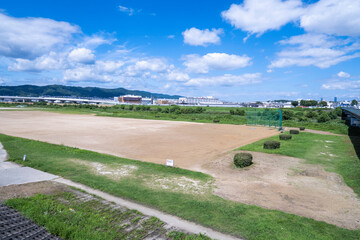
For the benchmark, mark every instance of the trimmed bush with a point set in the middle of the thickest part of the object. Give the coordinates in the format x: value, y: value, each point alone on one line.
x: 216, y: 120
x: 285, y: 136
x: 302, y: 128
x: 294, y: 131
x: 193, y: 119
x: 242, y: 160
x: 271, y: 144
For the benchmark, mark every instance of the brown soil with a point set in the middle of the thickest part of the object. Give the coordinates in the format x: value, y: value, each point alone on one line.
x: 287, y: 184
x: 274, y: 181
x: 30, y: 189
x: 146, y: 140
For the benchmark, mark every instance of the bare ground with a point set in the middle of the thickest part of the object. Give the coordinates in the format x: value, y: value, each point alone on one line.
x: 274, y: 181
x: 146, y: 140
x: 287, y: 184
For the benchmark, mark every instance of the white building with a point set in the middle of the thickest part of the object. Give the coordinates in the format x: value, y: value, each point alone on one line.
x: 200, y: 100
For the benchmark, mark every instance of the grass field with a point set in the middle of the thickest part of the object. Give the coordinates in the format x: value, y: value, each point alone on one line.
x: 249, y: 221
x: 296, y: 117
x: 72, y: 217
x: 344, y: 161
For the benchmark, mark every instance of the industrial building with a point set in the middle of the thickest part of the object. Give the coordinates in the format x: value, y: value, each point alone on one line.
x: 200, y: 100
x: 129, y: 99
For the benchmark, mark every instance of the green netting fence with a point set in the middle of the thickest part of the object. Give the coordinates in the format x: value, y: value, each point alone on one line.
x: 264, y: 117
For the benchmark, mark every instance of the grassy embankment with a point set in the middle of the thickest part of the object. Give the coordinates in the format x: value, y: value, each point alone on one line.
x: 66, y: 215
x: 296, y: 117
x: 335, y: 153
x: 249, y: 221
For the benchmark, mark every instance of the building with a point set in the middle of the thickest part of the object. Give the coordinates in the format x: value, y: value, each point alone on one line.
x: 130, y: 99
x: 146, y: 101
x: 168, y: 101
x: 199, y: 100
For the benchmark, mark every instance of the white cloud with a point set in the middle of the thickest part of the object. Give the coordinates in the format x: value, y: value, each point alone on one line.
x: 88, y: 73
x: 96, y: 40
x: 126, y: 10
x: 109, y: 66
x: 197, y: 37
x: 153, y: 65
x: 341, y: 85
x: 318, y: 50
x: 259, y: 16
x: 215, y: 61
x: 225, y: 80
x: 334, y: 17
x: 343, y: 74
x: 177, y: 76
x: 29, y: 38
x: 171, y: 36
x: 51, y: 61
x: 82, y: 55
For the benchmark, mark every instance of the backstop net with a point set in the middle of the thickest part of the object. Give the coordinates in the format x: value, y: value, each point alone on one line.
x: 264, y: 117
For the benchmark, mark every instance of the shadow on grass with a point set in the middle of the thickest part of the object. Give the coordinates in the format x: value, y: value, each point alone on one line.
x: 354, y: 135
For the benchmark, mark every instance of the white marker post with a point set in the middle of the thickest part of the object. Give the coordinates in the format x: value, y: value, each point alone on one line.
x: 24, y: 158
x: 169, y: 163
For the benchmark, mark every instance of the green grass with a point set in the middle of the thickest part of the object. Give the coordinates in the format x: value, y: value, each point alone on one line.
x: 65, y: 215
x: 249, y: 221
x: 335, y: 153
x: 334, y: 126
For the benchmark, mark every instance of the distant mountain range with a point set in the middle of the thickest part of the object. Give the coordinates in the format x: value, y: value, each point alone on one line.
x: 67, y: 91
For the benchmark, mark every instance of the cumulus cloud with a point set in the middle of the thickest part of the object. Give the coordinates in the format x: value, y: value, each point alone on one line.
x: 343, y: 74
x: 177, y: 75
x: 153, y: 64
x: 259, y: 16
x: 109, y: 66
x: 197, y: 37
x: 319, y: 50
x: 29, y: 38
x: 333, y: 17
x: 225, y: 80
x: 51, y: 61
x: 215, y: 61
x: 341, y: 85
x: 82, y: 55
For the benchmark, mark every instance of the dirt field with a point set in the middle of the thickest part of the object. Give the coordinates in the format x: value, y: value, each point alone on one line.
x: 287, y: 184
x: 274, y: 181
x: 188, y: 144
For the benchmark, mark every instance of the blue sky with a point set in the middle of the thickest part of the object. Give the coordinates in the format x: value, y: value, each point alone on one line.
x: 234, y: 50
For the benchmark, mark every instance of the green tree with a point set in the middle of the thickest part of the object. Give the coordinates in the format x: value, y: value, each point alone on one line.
x: 287, y: 115
x: 295, y: 103
x: 323, y: 104
x: 323, y: 117
x: 354, y: 102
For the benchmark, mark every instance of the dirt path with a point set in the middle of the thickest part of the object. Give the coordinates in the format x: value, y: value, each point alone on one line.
x: 288, y: 184
x: 313, y: 131
x: 188, y: 144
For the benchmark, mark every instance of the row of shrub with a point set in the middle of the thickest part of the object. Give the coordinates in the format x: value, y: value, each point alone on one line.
x: 242, y: 160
